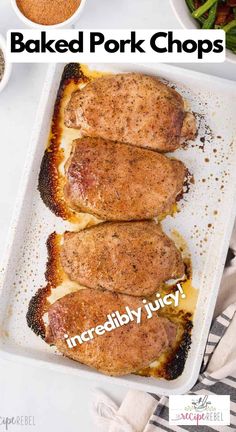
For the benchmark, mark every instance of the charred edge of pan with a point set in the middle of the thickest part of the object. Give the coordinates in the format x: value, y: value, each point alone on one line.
x: 53, y: 268
x: 39, y: 304
x: 188, y: 181
x: 50, y: 181
x: 71, y: 71
x: 37, y: 307
x: 180, y: 195
x: 175, y: 364
x: 188, y: 268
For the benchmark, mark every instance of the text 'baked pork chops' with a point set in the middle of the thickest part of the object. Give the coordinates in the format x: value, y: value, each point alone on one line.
x: 119, y: 182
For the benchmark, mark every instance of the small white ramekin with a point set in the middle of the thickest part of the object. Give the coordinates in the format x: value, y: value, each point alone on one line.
x: 184, y: 17
x: 67, y: 23
x: 8, y: 66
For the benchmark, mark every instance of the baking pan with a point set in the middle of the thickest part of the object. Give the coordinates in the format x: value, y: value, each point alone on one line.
x: 205, y: 222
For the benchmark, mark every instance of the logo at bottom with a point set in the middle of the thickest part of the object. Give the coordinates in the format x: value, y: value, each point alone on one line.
x: 199, y: 410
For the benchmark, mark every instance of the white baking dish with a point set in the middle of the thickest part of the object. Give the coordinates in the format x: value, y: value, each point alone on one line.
x: 25, y: 259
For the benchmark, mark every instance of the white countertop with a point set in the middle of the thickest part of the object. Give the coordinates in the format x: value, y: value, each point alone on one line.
x: 58, y: 401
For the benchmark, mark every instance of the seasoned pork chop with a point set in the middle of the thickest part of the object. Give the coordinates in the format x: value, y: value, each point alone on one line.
x: 123, y: 350
x: 126, y: 257
x: 120, y: 182
x: 131, y: 108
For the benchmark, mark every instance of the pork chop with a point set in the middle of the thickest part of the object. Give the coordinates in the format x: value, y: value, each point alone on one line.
x: 131, y: 108
x: 120, y: 182
x: 133, y: 258
x: 120, y: 351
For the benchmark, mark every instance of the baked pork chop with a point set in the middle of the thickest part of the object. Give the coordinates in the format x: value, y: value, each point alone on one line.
x: 131, y: 108
x: 133, y: 258
x: 120, y: 182
x: 123, y: 350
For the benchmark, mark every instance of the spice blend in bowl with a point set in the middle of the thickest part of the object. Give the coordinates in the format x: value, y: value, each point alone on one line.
x: 2, y: 65
x: 48, y: 12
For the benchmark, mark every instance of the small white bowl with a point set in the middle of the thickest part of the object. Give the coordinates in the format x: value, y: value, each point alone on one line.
x: 184, y: 17
x: 67, y: 23
x: 8, y: 66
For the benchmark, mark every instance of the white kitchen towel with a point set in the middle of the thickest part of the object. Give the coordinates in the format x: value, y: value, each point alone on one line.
x: 108, y: 417
x: 141, y: 412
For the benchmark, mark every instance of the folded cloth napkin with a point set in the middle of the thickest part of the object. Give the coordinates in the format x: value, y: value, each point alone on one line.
x: 143, y: 412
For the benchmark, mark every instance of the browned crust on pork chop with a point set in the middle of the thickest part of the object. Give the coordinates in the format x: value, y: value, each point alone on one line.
x: 130, y: 108
x: 118, y: 352
x: 119, y: 182
x: 133, y: 258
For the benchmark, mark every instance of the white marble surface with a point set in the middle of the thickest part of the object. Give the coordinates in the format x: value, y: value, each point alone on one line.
x: 58, y: 401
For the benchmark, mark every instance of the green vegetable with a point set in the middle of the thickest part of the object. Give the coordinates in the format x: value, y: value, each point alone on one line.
x: 190, y: 4
x: 231, y: 38
x: 231, y: 42
x: 231, y: 48
x: 209, y: 23
x: 192, y: 8
x: 204, y: 8
x: 229, y: 26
